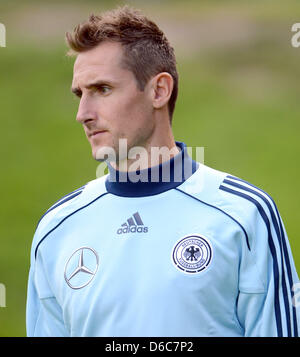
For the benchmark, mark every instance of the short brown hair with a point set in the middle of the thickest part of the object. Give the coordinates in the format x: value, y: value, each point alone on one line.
x: 146, y: 48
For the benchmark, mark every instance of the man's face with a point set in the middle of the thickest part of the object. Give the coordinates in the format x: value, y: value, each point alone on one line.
x: 111, y: 105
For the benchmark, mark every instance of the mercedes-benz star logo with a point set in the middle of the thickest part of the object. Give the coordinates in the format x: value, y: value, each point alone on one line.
x: 76, y: 270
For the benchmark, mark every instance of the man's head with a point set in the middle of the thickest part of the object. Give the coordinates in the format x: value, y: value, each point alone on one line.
x: 125, y: 73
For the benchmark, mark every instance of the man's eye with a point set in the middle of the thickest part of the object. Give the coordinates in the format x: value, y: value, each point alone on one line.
x: 103, y: 89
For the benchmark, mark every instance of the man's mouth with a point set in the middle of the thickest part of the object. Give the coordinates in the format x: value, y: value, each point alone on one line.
x: 96, y: 133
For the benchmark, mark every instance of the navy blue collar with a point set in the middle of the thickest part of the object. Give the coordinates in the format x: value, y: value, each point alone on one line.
x: 153, y: 180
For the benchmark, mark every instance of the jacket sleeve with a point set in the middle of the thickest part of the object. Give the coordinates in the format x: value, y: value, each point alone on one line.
x: 44, y: 316
x: 266, y: 305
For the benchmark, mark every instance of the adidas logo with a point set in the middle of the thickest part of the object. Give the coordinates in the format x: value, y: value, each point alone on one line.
x: 134, y: 224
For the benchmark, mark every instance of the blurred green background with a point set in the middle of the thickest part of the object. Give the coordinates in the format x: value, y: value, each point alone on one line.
x: 239, y: 98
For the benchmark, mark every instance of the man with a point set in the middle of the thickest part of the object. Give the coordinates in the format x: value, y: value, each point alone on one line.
x: 159, y: 246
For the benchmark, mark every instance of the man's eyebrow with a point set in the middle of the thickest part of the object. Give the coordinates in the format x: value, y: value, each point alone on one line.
x: 98, y: 83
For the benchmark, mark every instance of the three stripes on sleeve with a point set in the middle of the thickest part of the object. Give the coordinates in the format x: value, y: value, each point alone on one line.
x: 283, y: 270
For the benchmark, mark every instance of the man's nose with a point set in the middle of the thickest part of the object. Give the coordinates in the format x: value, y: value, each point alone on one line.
x: 85, y: 111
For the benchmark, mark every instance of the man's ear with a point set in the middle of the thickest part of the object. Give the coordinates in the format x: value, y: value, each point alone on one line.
x: 161, y: 89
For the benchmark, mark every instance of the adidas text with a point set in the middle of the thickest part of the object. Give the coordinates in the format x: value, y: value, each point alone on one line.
x: 132, y: 229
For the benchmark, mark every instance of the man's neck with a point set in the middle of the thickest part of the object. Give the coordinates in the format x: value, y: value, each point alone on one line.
x: 154, y: 179
x: 146, y: 156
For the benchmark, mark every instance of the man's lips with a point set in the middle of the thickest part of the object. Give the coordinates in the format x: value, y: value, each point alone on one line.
x: 95, y: 133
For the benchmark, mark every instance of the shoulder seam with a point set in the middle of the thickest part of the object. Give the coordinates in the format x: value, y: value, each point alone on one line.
x: 61, y: 201
x: 69, y: 215
x: 219, y: 209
